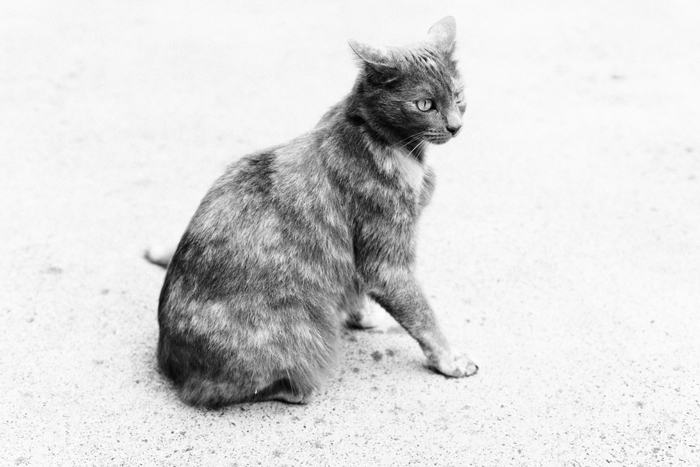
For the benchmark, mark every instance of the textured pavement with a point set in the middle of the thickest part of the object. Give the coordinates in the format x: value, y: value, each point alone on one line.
x: 561, y: 249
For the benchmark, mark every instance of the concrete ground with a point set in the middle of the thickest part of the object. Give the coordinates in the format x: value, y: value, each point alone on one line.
x: 561, y: 248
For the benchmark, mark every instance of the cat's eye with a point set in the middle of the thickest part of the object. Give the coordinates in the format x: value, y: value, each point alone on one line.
x: 424, y: 105
x: 459, y: 96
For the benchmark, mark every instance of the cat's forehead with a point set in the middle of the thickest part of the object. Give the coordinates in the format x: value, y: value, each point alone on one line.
x: 431, y: 60
x: 428, y: 66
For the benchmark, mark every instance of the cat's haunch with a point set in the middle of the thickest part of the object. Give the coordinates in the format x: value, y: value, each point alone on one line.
x: 290, y: 242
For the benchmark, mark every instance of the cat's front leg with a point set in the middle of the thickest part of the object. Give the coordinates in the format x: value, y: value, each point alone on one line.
x: 400, y: 295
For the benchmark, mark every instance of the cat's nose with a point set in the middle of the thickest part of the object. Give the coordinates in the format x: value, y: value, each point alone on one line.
x: 454, y: 127
x: 453, y: 123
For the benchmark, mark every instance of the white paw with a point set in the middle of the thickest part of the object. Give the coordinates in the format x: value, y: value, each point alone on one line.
x: 374, y: 317
x: 456, y: 366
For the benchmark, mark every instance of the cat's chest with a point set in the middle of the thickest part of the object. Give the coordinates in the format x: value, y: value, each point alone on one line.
x: 409, y: 172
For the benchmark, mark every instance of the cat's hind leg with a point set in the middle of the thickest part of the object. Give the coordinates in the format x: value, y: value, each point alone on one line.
x: 216, y: 394
x: 283, y: 390
x: 284, y: 355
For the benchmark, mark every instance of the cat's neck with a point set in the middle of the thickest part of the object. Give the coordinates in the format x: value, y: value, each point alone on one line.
x: 356, y: 142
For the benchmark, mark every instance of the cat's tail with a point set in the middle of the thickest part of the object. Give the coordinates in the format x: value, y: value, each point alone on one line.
x: 159, y: 255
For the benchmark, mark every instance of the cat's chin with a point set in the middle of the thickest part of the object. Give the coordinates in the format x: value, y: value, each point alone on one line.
x: 440, y: 139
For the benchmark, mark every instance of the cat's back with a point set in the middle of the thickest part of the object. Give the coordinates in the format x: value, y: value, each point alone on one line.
x: 274, y: 217
x: 289, y: 176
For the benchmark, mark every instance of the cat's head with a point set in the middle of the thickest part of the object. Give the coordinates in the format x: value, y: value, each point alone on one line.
x: 412, y: 94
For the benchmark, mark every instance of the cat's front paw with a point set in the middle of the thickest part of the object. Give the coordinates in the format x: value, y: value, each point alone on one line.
x: 369, y: 315
x: 455, y: 366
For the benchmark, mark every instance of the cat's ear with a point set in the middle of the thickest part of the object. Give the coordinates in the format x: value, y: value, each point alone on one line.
x: 380, y: 59
x: 443, y: 33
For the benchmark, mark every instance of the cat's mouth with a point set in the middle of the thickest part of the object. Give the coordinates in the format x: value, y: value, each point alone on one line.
x: 439, y: 138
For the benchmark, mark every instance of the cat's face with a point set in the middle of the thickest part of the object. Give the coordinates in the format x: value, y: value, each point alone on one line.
x: 414, y: 94
x: 427, y: 99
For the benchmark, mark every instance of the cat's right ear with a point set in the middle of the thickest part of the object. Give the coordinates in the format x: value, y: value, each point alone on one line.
x: 379, y: 59
x: 443, y: 34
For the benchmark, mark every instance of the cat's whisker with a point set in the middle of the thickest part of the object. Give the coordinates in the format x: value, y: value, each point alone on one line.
x: 410, y: 139
x: 413, y: 143
x: 417, y: 146
x: 417, y: 137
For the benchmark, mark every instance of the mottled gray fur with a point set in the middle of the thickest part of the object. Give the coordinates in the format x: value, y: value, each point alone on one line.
x: 288, y: 244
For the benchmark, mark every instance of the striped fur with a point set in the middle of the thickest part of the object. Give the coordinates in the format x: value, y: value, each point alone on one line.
x: 290, y: 241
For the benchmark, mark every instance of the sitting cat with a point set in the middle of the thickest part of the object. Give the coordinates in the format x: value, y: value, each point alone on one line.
x: 290, y: 242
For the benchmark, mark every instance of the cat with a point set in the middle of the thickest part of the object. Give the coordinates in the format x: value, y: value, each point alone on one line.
x: 292, y: 242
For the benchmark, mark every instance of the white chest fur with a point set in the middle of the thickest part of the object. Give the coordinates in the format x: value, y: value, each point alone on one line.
x: 397, y: 162
x: 410, y: 171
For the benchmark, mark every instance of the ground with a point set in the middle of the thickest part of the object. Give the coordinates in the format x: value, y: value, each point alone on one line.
x: 561, y: 248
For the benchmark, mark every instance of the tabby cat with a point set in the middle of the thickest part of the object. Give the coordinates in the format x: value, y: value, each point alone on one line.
x: 290, y: 242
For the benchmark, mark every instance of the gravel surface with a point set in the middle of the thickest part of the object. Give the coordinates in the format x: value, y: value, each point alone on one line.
x: 561, y: 249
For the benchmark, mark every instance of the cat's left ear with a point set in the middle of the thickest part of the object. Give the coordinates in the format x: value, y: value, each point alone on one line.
x: 443, y: 34
x: 378, y: 58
